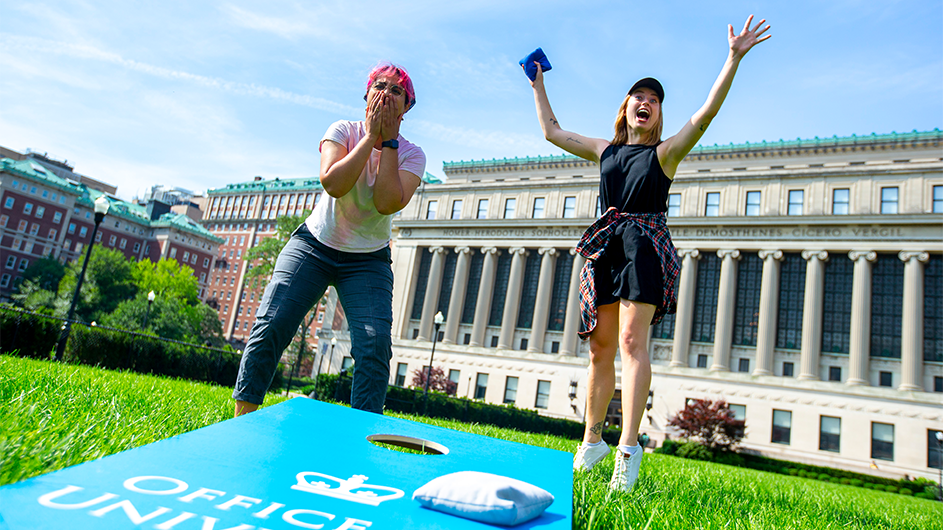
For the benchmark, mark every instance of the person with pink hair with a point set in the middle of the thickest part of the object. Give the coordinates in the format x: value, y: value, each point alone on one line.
x: 627, y: 284
x: 368, y: 172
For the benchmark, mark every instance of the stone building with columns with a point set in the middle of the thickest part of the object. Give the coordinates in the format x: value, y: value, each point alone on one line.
x: 810, y: 297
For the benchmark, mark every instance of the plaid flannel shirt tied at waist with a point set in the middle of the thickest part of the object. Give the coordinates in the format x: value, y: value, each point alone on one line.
x: 593, y: 244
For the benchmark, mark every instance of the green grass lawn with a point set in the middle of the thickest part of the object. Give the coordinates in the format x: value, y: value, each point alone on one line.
x: 53, y: 416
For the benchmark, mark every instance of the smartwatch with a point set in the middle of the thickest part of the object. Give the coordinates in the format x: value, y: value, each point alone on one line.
x: 393, y: 144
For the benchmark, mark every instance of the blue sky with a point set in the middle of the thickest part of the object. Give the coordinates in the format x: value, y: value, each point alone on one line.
x: 201, y: 94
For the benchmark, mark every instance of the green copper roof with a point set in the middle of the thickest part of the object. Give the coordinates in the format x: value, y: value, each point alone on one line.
x: 429, y: 178
x: 32, y: 170
x: 275, y: 185
x: 183, y: 223
x: 834, y: 141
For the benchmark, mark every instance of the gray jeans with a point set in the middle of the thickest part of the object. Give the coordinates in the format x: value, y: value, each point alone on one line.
x: 303, y: 271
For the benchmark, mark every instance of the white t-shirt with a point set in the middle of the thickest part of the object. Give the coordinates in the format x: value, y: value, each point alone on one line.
x: 352, y: 223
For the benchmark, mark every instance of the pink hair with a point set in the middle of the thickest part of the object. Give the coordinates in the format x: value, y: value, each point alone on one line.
x: 401, y: 76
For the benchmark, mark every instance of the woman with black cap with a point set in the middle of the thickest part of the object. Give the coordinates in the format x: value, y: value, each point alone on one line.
x: 628, y: 281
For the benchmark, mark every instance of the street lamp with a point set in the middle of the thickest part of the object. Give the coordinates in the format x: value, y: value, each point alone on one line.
x: 101, y: 208
x: 438, y: 320
x: 648, y: 405
x: 330, y: 359
x: 150, y: 300
x: 939, y: 446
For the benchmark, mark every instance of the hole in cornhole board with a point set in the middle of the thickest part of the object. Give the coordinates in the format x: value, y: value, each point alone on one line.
x: 407, y: 444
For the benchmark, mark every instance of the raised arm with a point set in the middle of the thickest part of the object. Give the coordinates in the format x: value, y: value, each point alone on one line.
x: 340, y: 169
x: 588, y: 148
x: 393, y: 188
x: 674, y: 149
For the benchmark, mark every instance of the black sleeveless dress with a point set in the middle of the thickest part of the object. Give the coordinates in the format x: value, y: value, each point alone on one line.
x: 631, y: 179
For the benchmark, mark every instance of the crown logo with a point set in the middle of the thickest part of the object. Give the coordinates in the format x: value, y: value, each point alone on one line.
x: 352, y: 489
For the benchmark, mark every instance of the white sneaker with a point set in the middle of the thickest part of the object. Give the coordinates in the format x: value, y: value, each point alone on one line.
x: 625, y: 473
x: 588, y: 456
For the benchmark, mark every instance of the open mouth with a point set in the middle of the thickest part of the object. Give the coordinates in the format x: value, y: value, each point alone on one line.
x: 643, y: 114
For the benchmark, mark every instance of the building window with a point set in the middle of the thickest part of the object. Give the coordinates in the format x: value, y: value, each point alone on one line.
x: 753, y: 203
x: 445, y: 287
x: 510, y: 390
x: 9, y: 202
x: 346, y: 363
x: 422, y: 279
x: 499, y: 293
x: 5, y: 280
x: 739, y: 411
x: 53, y: 233
x: 431, y: 209
x: 887, y: 306
x: 466, y: 339
x: 889, y: 200
x: 494, y: 341
x: 885, y: 379
x: 401, y: 370
x: 705, y: 300
x: 27, y: 208
x: 712, y: 207
x: 560, y: 292
x: 481, y: 385
x: 598, y: 206
x: 882, y: 441
x: 112, y: 240
x: 71, y: 228
x: 482, y: 209
x: 933, y: 310
x: 938, y: 383
x: 747, y: 305
x: 509, y: 206
x: 937, y: 199
x: 795, y: 202
x: 538, y: 212
x: 11, y: 262
x: 456, y: 209
x: 40, y: 211
x: 543, y: 394
x: 525, y: 316
x: 569, y: 207
x: 22, y: 226
x: 934, y: 452
x: 471, y: 289
x: 701, y: 360
x: 555, y: 346
x: 836, y: 313
x: 791, y: 299
x: 829, y: 434
x: 674, y: 205
x: 782, y: 426
x: 524, y: 343
x: 840, y: 198
x: 454, y: 376
x: 664, y: 329
x: 84, y: 230
x: 834, y: 373
x: 123, y: 243
x: 788, y: 369
x: 743, y: 365
x: 23, y: 264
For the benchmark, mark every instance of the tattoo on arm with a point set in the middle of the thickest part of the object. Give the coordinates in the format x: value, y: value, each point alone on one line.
x: 596, y: 429
x: 703, y: 127
x: 574, y: 140
x: 553, y: 121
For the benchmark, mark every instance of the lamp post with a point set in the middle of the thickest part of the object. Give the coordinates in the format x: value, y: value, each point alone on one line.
x: 150, y: 300
x: 648, y: 405
x: 330, y: 359
x: 101, y: 208
x: 438, y: 320
x: 939, y: 446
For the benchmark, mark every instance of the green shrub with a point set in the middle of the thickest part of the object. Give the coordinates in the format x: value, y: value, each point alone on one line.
x: 695, y: 451
x: 890, y: 489
x: 28, y: 335
x: 793, y: 471
x: 855, y: 482
x: 668, y: 447
x: 729, y: 458
x: 307, y: 389
x: 845, y: 481
x: 823, y: 477
x: 905, y: 491
x: 924, y: 495
x: 868, y: 486
x: 835, y: 480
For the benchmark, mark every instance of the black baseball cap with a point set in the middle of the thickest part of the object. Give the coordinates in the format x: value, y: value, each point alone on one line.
x: 650, y: 83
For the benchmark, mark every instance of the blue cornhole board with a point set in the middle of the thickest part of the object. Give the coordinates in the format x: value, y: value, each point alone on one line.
x: 295, y: 465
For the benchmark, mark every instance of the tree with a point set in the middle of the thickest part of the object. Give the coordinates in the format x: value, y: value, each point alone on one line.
x: 109, y: 281
x: 711, y: 422
x: 45, y: 272
x: 439, y: 381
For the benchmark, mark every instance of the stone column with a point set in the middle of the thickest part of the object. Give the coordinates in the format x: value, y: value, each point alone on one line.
x: 457, y: 300
x: 769, y: 301
x: 812, y: 302
x: 684, y: 319
x: 860, y: 339
x: 512, y: 304
x: 485, y: 289
x: 911, y: 347
x: 726, y: 299
x: 432, y: 292
x: 538, y: 328
x: 571, y: 325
